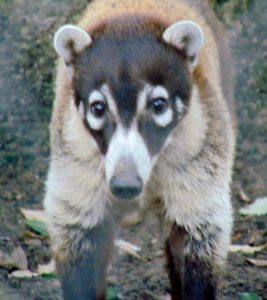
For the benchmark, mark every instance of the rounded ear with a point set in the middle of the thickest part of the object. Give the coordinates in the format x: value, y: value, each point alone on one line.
x: 186, y: 36
x: 70, y: 39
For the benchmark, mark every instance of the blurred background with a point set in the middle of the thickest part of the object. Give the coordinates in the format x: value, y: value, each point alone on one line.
x: 27, y: 71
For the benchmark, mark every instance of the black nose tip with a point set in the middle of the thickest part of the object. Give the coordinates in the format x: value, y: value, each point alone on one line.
x: 126, y: 187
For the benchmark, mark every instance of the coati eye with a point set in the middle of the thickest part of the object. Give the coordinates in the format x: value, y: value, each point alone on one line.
x: 98, y: 109
x: 159, y: 105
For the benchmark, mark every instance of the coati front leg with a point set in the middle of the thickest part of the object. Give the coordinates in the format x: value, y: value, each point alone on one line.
x: 192, y: 263
x: 82, y: 266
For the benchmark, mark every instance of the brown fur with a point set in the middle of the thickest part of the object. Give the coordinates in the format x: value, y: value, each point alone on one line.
x: 175, y: 258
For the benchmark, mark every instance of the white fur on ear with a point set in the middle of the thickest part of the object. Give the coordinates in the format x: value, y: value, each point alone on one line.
x: 69, y: 39
x: 185, y: 35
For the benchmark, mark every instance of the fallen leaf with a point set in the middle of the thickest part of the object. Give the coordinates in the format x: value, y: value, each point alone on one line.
x: 6, y: 260
x: 257, y: 208
x: 250, y: 296
x: 126, y: 247
x: 112, y: 293
x: 23, y: 274
x: 49, y: 268
x: 38, y: 215
x: 244, y: 197
x: 246, y: 248
x: 257, y: 262
x: 19, y: 257
x: 37, y: 226
x: 236, y: 236
x: 36, y: 220
x: 31, y: 235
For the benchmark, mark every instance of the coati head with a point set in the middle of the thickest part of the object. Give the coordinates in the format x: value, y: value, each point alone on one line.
x: 131, y: 77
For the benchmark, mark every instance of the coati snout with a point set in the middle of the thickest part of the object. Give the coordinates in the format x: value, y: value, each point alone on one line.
x: 126, y: 183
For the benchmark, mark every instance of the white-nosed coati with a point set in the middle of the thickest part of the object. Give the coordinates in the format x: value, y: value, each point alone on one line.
x: 140, y: 112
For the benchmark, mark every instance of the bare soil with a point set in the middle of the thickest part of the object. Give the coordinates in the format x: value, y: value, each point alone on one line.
x: 27, y: 69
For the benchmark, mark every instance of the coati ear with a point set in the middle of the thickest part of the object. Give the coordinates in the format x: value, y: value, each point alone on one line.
x: 186, y: 36
x: 69, y: 40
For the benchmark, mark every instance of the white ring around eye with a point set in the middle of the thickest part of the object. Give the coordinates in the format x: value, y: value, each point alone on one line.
x: 164, y: 119
x: 94, y: 96
x: 159, y: 92
x: 94, y: 122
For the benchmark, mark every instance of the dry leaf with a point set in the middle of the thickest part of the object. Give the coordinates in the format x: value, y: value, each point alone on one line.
x: 47, y: 269
x: 6, y: 260
x: 246, y: 248
x: 236, y: 236
x: 23, y: 274
x: 244, y: 197
x: 38, y: 215
x: 31, y: 235
x: 20, y: 258
x: 257, y: 262
x: 126, y: 247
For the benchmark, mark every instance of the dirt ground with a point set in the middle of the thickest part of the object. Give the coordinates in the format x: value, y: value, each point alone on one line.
x: 27, y: 69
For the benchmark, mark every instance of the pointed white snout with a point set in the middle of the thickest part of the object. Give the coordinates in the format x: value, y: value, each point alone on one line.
x: 128, y: 164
